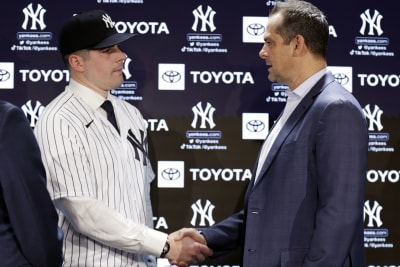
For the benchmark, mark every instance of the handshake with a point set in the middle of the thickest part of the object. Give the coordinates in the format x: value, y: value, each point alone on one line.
x: 187, y: 246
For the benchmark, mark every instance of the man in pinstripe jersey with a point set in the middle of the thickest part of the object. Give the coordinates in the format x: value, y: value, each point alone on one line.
x: 99, y: 175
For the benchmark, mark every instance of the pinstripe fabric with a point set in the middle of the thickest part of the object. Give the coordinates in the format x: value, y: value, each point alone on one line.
x: 86, y: 157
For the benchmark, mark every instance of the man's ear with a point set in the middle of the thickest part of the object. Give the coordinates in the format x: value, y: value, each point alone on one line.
x: 298, y: 45
x: 76, y: 62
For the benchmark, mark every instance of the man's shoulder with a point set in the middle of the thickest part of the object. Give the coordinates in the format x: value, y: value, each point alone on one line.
x: 8, y: 109
x: 7, y: 106
x: 58, y: 103
x: 62, y: 107
x: 335, y: 92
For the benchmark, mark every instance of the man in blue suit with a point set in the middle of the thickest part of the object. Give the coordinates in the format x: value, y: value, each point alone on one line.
x: 29, y: 235
x: 304, y: 204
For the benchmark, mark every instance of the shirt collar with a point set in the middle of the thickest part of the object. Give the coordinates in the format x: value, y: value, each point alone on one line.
x: 89, y: 96
x: 306, y: 86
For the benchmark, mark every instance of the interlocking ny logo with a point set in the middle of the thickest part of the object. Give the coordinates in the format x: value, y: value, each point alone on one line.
x: 207, y: 19
x: 374, y: 22
x: 206, y: 115
x: 204, y: 212
x: 373, y: 117
x: 108, y: 21
x: 374, y: 213
x: 139, y: 145
x: 32, y: 113
x: 36, y: 17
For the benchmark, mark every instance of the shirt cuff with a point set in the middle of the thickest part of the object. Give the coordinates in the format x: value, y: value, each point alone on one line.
x: 154, y: 241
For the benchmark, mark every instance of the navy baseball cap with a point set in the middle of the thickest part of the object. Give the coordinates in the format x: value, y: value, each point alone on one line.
x: 89, y: 30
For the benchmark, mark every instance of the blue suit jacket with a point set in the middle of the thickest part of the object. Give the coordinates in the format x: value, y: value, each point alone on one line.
x: 29, y: 235
x: 306, y: 208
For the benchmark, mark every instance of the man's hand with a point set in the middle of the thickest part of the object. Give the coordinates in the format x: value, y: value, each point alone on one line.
x: 187, y: 246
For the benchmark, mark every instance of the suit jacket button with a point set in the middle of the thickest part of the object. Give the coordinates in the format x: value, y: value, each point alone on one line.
x: 252, y: 250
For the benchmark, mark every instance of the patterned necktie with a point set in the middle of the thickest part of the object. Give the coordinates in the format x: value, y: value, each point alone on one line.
x: 107, y: 106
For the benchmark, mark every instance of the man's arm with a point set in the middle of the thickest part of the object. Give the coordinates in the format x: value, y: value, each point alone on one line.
x: 31, y: 211
x: 92, y: 218
x: 222, y: 238
x: 341, y: 159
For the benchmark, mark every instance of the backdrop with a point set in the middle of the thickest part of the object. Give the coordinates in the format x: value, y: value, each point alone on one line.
x: 193, y: 70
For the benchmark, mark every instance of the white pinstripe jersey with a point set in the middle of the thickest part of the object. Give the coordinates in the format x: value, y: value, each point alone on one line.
x: 85, y: 156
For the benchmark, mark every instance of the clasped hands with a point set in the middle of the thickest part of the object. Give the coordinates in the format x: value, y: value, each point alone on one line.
x: 187, y: 246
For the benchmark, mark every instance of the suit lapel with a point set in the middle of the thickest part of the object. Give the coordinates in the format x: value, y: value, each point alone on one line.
x: 293, y: 119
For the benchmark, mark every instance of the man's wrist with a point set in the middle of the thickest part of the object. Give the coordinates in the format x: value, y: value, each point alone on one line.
x: 165, y: 249
x: 204, y: 237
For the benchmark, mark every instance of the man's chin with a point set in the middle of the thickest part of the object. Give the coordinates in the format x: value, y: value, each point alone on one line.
x: 271, y: 78
x: 118, y: 84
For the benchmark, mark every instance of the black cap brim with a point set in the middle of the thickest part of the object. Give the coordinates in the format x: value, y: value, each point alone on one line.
x: 114, y: 39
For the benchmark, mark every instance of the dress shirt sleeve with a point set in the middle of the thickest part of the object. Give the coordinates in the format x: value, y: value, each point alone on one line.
x: 96, y: 220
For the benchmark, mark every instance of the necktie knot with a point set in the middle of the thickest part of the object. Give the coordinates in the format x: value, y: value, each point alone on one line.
x: 108, y: 107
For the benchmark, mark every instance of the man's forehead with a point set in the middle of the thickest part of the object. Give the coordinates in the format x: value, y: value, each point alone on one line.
x: 273, y: 22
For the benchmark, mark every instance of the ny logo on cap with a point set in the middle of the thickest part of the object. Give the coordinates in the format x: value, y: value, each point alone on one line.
x: 108, y: 21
